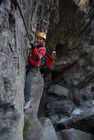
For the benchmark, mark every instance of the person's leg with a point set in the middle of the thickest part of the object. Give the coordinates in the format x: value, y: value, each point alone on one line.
x: 28, y: 86
x: 28, y: 83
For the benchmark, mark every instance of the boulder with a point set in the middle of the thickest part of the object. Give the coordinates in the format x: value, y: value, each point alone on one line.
x: 58, y: 90
x: 48, y: 132
x: 34, y: 129
x: 60, y: 107
x: 71, y: 134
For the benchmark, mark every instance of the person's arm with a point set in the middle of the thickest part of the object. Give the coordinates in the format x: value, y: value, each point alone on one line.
x: 51, y: 60
x: 42, y: 52
x: 30, y: 50
x: 39, y: 53
x: 32, y: 45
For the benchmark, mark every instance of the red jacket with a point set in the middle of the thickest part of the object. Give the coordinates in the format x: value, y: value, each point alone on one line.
x: 35, y: 56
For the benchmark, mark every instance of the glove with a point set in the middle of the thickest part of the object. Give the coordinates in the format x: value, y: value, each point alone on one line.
x: 53, y: 52
x: 37, y: 58
x: 32, y: 45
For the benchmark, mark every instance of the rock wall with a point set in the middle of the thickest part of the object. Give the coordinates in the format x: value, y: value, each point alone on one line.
x: 74, y: 42
x: 11, y: 77
x: 14, y: 46
x: 71, y: 32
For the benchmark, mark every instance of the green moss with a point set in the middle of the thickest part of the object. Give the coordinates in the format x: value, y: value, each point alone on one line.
x: 27, y: 126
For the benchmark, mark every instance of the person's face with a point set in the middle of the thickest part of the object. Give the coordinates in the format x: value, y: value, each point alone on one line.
x: 40, y: 40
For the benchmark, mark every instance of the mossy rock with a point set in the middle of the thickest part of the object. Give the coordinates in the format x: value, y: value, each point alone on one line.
x: 27, y: 127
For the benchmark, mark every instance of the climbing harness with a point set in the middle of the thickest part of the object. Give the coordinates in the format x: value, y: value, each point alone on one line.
x: 15, y: 2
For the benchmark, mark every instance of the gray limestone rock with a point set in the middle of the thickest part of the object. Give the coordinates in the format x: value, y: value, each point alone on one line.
x: 35, y: 129
x: 48, y: 132
x: 58, y: 90
x: 71, y: 134
x: 60, y: 107
x: 14, y: 46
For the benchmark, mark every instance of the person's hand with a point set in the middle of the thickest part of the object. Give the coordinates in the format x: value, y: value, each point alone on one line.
x: 32, y: 45
x: 53, y: 52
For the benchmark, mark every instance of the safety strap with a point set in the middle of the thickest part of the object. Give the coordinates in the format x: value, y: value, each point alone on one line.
x: 15, y: 2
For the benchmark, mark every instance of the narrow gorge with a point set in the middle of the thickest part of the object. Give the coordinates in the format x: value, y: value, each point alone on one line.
x: 63, y: 100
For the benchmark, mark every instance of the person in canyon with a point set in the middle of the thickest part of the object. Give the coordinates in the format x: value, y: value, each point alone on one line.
x: 35, y: 59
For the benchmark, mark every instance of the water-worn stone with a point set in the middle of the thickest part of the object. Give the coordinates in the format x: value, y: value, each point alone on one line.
x: 59, y: 91
x: 35, y: 128
x: 60, y: 107
x: 48, y: 130
x: 82, y: 121
x: 75, y: 134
